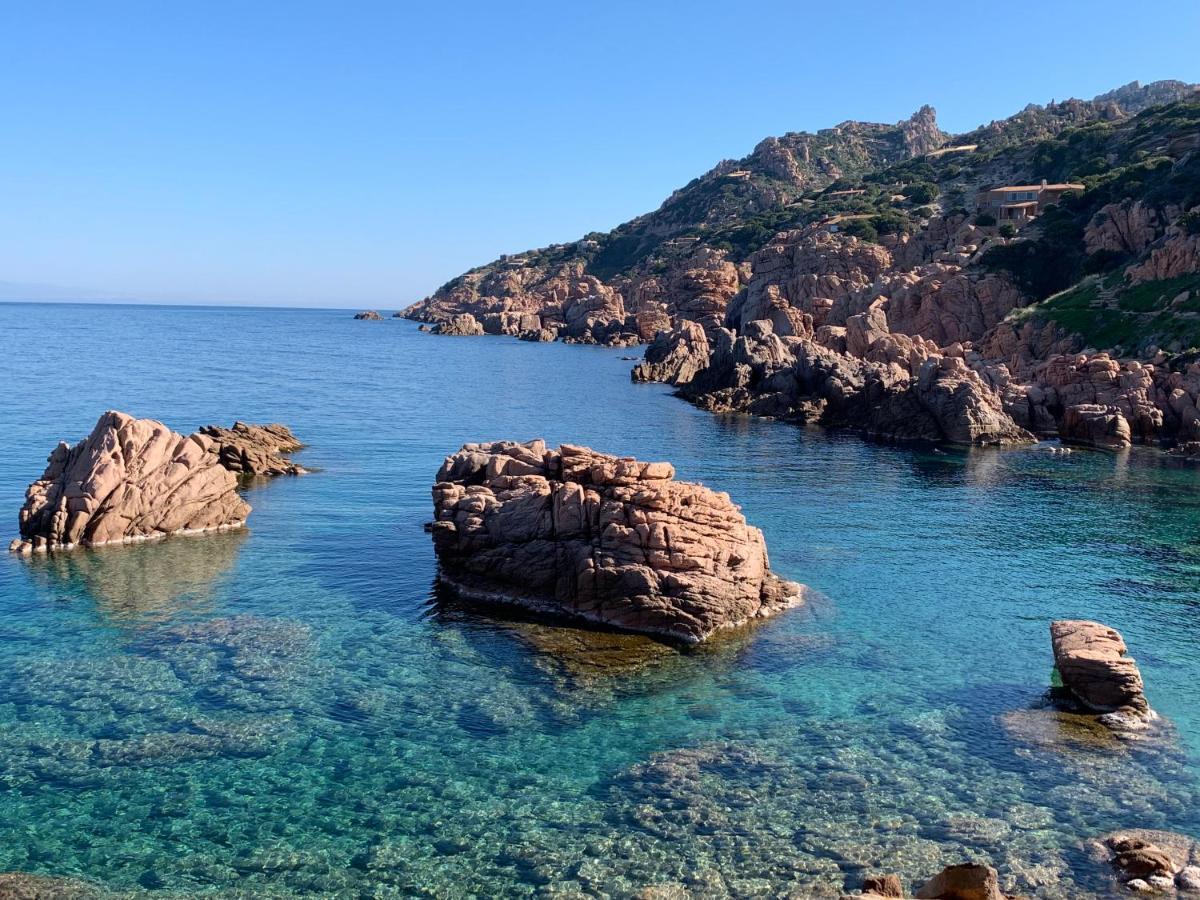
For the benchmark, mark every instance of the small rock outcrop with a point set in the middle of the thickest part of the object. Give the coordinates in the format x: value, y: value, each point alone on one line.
x: 1151, y: 862
x: 1095, y: 425
x: 675, y: 356
x: 255, y: 450
x: 129, y: 480
x: 1096, y: 670
x: 369, y: 315
x: 462, y: 325
x: 603, y: 538
x: 968, y: 881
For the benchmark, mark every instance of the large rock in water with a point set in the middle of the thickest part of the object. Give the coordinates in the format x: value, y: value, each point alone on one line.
x: 597, y: 537
x: 1094, y: 665
x: 129, y: 480
x: 1095, y: 425
x: 255, y: 450
x: 675, y: 356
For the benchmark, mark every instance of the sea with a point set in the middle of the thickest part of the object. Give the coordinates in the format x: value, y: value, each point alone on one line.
x: 299, y: 709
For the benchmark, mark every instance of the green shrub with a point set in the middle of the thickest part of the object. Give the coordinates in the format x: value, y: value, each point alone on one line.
x: 921, y: 192
x: 985, y: 220
x: 1190, y: 222
x: 861, y: 229
x: 1008, y: 230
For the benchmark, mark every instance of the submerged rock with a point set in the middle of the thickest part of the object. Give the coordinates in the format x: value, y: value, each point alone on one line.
x: 255, y: 450
x: 26, y: 886
x: 602, y: 538
x: 129, y: 480
x: 1095, y: 668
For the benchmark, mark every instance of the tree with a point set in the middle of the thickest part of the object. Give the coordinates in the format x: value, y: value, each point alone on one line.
x: 921, y: 192
x: 985, y: 220
x: 1008, y: 230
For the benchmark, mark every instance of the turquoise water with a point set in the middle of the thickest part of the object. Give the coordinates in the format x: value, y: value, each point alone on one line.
x: 296, y: 710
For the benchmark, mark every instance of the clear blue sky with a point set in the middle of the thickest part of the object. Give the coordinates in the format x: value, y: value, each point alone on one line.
x: 361, y: 153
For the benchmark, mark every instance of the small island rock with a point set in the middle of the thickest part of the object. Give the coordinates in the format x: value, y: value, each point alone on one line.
x: 369, y: 315
x: 129, y: 480
x: 603, y: 538
x: 1095, y: 668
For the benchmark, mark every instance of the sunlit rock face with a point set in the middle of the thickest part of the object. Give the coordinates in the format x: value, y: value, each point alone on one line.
x: 129, y: 480
x: 598, y: 537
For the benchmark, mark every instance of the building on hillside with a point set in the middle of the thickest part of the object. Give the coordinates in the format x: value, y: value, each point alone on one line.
x: 1021, y: 202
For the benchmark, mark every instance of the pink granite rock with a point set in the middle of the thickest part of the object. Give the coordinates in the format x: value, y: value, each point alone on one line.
x: 603, y: 538
x: 129, y: 480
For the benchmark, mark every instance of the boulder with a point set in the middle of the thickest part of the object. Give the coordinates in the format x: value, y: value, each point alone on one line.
x: 369, y: 315
x: 968, y: 881
x: 129, y: 480
x: 462, y: 325
x: 1094, y: 425
x: 255, y: 450
x: 607, y: 539
x: 675, y: 356
x: 882, y: 886
x: 1162, y: 861
x: 1093, y: 663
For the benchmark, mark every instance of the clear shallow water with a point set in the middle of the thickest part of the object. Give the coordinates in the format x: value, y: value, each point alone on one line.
x: 295, y: 710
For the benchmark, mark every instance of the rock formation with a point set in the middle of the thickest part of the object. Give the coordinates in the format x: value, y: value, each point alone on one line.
x: 1096, y: 670
x: 255, y: 450
x: 967, y: 881
x: 896, y: 387
x: 675, y: 356
x: 1094, y: 425
x: 369, y: 315
x: 462, y: 325
x: 603, y: 538
x: 1145, y: 861
x: 129, y: 480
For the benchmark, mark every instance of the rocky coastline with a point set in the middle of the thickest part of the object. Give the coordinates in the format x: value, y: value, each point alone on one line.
x: 914, y: 319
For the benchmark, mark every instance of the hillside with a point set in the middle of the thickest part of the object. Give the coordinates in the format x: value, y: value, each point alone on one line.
x: 687, y: 259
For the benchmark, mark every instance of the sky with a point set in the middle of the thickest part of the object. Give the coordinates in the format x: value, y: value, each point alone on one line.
x: 359, y: 154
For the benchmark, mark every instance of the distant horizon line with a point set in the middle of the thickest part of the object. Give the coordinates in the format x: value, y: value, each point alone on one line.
x: 194, y: 305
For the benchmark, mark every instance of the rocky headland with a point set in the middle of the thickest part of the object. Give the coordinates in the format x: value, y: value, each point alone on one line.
x: 133, y: 480
x: 845, y: 278
x: 606, y: 539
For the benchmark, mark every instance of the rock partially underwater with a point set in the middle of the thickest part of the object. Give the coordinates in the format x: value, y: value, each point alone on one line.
x: 607, y: 539
x: 256, y: 450
x: 134, y: 480
x: 1097, y: 672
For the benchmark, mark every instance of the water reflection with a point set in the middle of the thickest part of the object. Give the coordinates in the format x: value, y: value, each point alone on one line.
x: 145, y: 582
